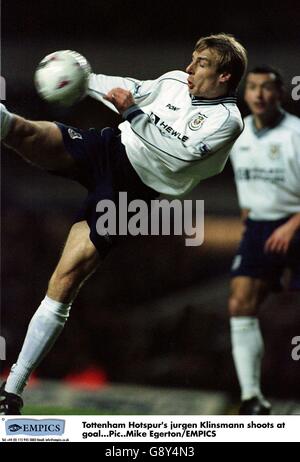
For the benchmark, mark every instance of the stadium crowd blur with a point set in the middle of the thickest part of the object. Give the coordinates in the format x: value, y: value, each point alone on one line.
x: 155, y: 312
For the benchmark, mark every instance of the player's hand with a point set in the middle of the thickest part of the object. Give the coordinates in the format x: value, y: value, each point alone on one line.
x: 120, y: 98
x: 280, y: 239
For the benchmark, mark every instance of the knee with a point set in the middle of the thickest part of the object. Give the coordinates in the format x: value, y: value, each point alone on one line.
x: 239, y: 305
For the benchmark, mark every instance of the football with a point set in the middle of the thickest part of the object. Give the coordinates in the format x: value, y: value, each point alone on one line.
x: 62, y: 77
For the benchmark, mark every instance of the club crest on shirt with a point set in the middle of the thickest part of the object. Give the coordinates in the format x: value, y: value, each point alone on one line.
x: 275, y: 151
x: 197, y: 121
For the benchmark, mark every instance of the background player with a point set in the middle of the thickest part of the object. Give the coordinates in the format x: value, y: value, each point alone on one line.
x: 157, y: 150
x: 266, y: 162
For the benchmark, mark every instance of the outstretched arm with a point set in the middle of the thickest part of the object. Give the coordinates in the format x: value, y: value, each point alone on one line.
x: 120, y: 98
x: 100, y: 85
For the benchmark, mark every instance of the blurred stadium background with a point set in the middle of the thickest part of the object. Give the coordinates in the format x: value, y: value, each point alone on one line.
x: 149, y: 332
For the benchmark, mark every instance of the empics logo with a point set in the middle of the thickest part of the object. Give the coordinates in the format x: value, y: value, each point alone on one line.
x: 14, y: 428
x: 35, y: 427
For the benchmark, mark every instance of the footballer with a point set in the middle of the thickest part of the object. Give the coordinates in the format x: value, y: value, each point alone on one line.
x: 266, y: 163
x: 177, y: 130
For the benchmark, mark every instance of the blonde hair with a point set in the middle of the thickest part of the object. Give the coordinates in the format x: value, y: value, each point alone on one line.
x: 232, y: 56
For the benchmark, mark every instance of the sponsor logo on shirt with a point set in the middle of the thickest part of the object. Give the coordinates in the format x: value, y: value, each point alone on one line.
x: 197, y: 121
x: 272, y: 175
x: 166, y: 129
x: 173, y: 108
x: 154, y: 118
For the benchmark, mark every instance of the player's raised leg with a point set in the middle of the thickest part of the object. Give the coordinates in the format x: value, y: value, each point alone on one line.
x: 78, y: 261
x: 39, y: 143
x: 247, y: 342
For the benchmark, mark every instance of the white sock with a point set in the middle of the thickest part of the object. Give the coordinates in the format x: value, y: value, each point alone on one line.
x: 6, y: 119
x: 43, y: 330
x: 247, y: 349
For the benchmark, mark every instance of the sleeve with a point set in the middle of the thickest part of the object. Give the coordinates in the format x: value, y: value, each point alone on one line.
x: 179, y: 155
x: 100, y: 85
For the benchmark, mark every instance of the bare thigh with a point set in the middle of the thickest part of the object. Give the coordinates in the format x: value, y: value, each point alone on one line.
x: 40, y: 143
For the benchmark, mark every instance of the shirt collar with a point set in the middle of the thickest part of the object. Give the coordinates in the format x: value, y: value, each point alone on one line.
x: 262, y: 131
x: 201, y: 101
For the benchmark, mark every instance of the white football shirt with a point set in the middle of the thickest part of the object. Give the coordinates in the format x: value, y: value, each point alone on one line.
x: 266, y: 166
x: 173, y: 140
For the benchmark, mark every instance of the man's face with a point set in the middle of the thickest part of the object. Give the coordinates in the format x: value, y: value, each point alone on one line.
x: 204, y: 79
x: 262, y: 94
